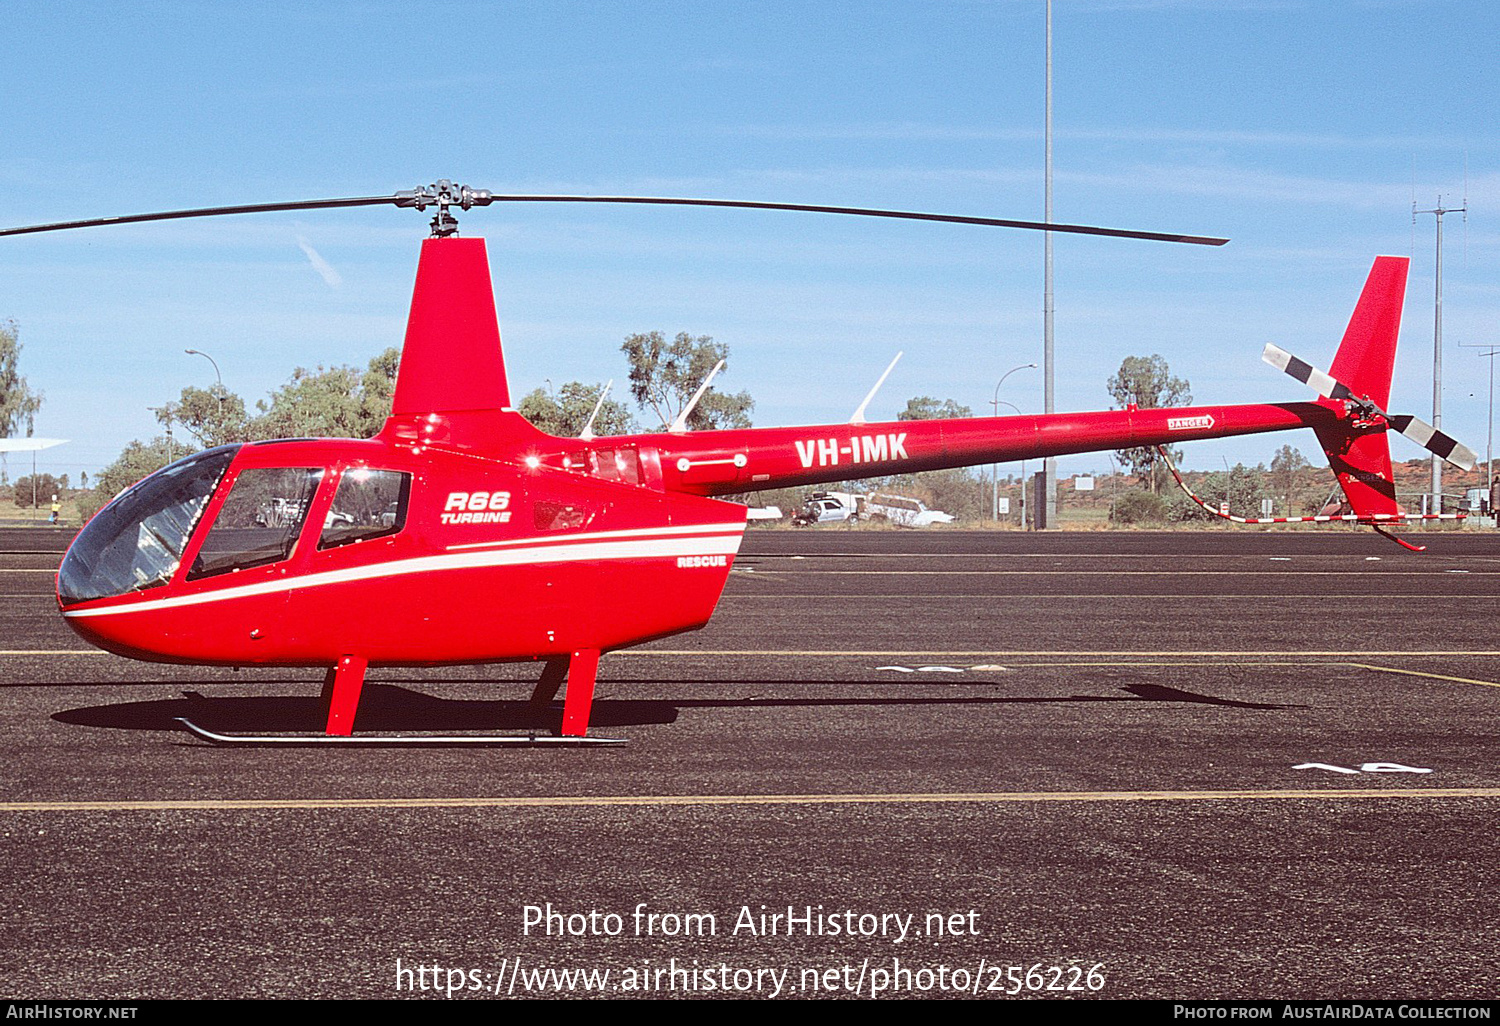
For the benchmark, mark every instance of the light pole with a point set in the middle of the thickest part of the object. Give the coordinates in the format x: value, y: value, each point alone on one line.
x: 218, y: 388
x: 1049, y: 465
x: 995, y: 467
x: 1489, y: 445
x: 210, y: 359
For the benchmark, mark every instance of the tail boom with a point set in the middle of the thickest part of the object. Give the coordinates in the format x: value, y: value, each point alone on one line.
x: 726, y: 462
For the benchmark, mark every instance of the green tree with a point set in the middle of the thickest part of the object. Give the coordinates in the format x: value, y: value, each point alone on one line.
x: 925, y: 407
x: 1241, y: 489
x: 136, y: 461
x: 664, y: 375
x: 957, y: 490
x: 18, y: 403
x: 566, y: 413
x: 1138, y: 507
x: 1146, y: 382
x: 46, y: 487
x: 339, y: 402
x: 1285, y: 468
x: 210, y: 416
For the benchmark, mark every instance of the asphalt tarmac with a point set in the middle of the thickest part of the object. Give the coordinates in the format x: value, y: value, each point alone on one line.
x: 897, y: 764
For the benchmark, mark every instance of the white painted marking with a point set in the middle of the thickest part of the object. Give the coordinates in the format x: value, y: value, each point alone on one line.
x: 898, y: 669
x: 1368, y: 767
x: 1325, y: 766
x: 1299, y: 655
x: 938, y: 669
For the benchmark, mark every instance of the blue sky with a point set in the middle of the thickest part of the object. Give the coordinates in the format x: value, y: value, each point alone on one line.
x: 1301, y: 129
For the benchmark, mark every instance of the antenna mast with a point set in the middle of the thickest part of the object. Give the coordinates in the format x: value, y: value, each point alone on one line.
x: 1436, y: 497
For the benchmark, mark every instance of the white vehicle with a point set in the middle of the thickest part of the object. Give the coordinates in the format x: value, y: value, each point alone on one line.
x: 828, y: 508
x: 902, y: 512
x: 833, y: 507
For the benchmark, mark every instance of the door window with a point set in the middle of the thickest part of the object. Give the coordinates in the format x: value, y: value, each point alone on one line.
x: 259, y: 521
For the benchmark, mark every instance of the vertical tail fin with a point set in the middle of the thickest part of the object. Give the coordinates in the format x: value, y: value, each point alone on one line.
x: 1366, y: 358
x: 1367, y: 355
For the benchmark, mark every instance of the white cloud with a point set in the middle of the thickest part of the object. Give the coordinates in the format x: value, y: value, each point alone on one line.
x: 323, y: 267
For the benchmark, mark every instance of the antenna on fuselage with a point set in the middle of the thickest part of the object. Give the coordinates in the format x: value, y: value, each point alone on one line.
x: 587, y: 434
x: 859, y: 414
x: 680, y: 424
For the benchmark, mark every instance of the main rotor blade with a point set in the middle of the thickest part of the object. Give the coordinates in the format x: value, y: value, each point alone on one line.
x: 170, y: 215
x: 422, y: 198
x: 911, y: 215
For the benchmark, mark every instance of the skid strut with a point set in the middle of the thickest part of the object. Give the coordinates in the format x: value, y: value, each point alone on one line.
x: 345, y: 681
x: 580, y: 671
x: 341, y: 688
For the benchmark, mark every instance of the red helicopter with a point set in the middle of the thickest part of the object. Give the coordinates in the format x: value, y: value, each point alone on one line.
x: 462, y: 534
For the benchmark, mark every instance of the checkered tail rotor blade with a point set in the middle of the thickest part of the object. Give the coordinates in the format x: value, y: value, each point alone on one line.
x: 1414, y: 428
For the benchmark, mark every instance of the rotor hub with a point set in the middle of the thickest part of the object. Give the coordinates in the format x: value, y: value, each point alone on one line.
x: 443, y: 194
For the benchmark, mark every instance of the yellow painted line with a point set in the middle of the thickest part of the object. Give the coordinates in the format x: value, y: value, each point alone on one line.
x: 564, y: 801
x: 783, y: 596
x: 51, y: 651
x: 1418, y: 673
x: 1321, y: 556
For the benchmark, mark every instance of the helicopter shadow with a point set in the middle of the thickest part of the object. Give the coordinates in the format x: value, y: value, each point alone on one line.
x: 383, y: 708
x: 389, y: 707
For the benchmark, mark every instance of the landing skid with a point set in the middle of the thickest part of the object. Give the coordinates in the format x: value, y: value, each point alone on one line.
x: 392, y: 740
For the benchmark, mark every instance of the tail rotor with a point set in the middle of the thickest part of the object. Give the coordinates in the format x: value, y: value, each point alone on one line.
x: 1424, y: 434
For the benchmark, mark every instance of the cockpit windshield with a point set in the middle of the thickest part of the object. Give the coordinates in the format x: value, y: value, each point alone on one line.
x: 137, y: 541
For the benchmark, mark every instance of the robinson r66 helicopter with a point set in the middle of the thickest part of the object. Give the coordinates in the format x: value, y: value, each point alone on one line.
x: 460, y: 533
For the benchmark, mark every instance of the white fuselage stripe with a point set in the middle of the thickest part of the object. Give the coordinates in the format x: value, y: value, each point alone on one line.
x: 636, y: 532
x: 724, y: 542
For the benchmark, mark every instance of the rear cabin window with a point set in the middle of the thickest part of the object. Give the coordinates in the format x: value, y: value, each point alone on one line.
x: 368, y: 504
x: 561, y: 516
x: 259, y: 522
x: 623, y: 465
